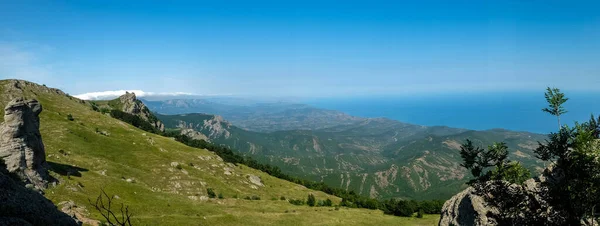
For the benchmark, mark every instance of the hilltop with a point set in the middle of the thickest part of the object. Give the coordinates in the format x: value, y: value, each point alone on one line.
x: 377, y: 157
x: 163, y: 181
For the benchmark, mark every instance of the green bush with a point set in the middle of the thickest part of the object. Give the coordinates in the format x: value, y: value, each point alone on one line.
x: 70, y: 117
x: 221, y: 196
x: 254, y: 197
x: 282, y: 198
x: 311, y: 201
x: 104, y: 110
x: 297, y: 202
x: 211, y: 193
x: 420, y: 213
x: 328, y: 202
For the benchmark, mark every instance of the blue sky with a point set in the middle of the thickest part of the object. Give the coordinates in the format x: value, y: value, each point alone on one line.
x: 303, y: 48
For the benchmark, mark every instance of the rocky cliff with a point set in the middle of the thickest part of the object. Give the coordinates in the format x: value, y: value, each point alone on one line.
x: 21, y: 146
x: 23, y: 169
x: 130, y: 104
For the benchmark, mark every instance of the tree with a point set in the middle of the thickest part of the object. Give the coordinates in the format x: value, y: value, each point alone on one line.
x: 493, y: 162
x: 311, y: 201
x: 574, y: 190
x: 555, y: 100
x: 103, y: 204
x: 569, y: 190
x: 420, y: 213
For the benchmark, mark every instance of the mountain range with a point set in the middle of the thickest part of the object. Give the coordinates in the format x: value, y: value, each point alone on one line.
x: 376, y: 157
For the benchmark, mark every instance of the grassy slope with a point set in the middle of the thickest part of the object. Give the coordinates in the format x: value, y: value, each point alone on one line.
x: 163, y: 194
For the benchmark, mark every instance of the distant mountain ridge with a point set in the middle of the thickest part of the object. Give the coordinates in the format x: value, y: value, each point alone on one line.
x: 375, y: 157
x: 262, y: 117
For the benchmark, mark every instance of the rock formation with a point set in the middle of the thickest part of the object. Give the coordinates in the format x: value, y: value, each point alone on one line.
x: 194, y: 134
x: 134, y: 106
x: 466, y: 208
x: 21, y: 146
x: 23, y: 206
x: 23, y: 166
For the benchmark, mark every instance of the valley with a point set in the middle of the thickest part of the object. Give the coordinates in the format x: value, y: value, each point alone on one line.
x: 375, y: 157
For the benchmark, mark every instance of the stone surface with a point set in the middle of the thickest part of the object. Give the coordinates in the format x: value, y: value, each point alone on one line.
x: 134, y: 106
x: 255, y: 180
x: 22, y: 206
x: 194, y: 134
x: 465, y: 208
x: 21, y: 146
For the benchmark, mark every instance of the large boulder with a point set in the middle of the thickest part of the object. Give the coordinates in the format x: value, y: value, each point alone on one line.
x: 469, y: 208
x: 466, y: 208
x: 21, y: 146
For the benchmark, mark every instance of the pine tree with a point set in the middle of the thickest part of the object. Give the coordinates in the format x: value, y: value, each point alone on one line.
x: 555, y: 100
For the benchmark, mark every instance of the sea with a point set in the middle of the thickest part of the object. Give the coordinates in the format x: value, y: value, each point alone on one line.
x: 520, y: 111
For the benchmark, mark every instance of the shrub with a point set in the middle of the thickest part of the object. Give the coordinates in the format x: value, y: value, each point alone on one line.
x: 297, y: 202
x: 104, y: 110
x: 221, y: 196
x: 328, y: 202
x: 420, y: 213
x: 211, y: 193
x: 70, y: 117
x: 282, y: 198
x: 311, y: 201
x: 179, y: 167
x: 247, y: 198
x: 254, y: 197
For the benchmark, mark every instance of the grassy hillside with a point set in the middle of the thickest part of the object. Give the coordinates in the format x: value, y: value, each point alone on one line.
x: 164, y: 181
x: 379, y: 158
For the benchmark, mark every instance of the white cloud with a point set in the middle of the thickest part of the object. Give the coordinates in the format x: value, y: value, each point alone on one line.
x: 106, y: 95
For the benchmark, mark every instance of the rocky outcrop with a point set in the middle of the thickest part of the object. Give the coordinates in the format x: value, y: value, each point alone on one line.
x: 22, y: 206
x: 217, y: 127
x: 466, y: 208
x: 21, y: 146
x: 194, y: 134
x: 469, y: 208
x: 130, y: 104
x: 255, y: 180
x: 23, y: 166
